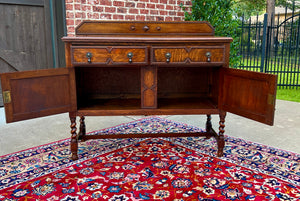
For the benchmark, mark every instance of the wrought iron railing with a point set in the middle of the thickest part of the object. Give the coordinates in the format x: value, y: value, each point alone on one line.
x: 272, y: 49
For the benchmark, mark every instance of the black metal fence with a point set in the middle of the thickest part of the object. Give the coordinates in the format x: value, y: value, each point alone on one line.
x: 273, y: 48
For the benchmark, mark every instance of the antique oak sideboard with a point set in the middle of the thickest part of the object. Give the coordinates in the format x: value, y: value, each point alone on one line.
x: 141, y: 68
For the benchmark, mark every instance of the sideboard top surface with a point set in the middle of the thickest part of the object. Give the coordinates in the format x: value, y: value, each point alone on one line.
x: 144, y: 28
x: 141, y: 32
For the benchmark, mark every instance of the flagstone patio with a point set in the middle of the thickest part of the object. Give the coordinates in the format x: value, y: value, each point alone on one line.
x: 285, y: 134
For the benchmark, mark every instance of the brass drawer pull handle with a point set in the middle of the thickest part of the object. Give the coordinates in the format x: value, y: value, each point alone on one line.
x: 168, y: 56
x: 89, y: 56
x: 130, y: 55
x: 208, y: 55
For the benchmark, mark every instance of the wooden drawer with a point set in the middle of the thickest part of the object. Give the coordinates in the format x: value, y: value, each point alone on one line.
x: 207, y: 55
x: 116, y: 55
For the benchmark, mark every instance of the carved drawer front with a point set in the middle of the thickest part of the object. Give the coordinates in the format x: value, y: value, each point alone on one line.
x: 108, y: 55
x: 208, y: 55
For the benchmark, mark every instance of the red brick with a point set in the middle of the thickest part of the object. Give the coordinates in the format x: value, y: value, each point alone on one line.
x: 144, y: 11
x: 83, y: 1
x: 69, y: 15
x: 172, y: 13
x: 106, y: 2
x: 150, y: 5
x: 188, y: 3
x: 68, y: 1
x: 129, y: 17
x: 89, y: 16
x: 78, y: 22
x: 69, y: 7
x: 159, y: 18
x: 163, y: 12
x: 141, y: 5
x: 97, y: 9
x: 122, y: 10
x: 168, y: 19
x: 130, y: 4
x: 119, y: 3
x: 180, y: 14
x: 77, y: 6
x: 86, y: 8
x: 106, y: 16
x: 133, y: 11
x: 110, y: 9
x: 154, y: 12
x: 168, y: 7
x: 78, y: 15
x: 163, y: 1
x: 70, y: 22
x: 150, y: 18
x: 172, y: 1
x: 178, y: 19
x: 140, y: 18
x: 71, y: 30
x: 160, y: 6
x: 96, y: 16
x: 118, y: 17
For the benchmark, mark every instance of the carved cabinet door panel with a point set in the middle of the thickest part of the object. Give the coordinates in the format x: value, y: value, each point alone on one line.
x: 248, y: 94
x: 31, y: 94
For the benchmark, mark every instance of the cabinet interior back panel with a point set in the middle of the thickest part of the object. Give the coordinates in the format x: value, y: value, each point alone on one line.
x: 108, y: 83
x: 184, y: 82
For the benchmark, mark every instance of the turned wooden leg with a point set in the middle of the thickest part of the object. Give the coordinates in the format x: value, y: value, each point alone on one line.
x: 74, y: 141
x: 208, y: 123
x: 221, y: 141
x: 82, y: 130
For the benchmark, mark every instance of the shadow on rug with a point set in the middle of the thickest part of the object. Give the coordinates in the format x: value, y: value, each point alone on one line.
x: 151, y: 169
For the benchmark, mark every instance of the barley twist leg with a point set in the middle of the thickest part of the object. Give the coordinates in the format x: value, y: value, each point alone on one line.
x: 74, y: 140
x: 221, y: 141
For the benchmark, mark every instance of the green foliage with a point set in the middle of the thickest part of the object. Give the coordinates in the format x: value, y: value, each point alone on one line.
x: 220, y: 14
x: 288, y: 94
x: 249, y: 8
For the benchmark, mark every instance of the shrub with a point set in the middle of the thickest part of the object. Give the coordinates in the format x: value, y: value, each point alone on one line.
x: 220, y: 14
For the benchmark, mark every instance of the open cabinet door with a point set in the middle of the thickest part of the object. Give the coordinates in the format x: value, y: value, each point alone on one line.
x: 31, y: 94
x: 248, y: 94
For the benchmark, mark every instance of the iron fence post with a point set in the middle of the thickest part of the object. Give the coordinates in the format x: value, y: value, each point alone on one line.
x: 263, y: 45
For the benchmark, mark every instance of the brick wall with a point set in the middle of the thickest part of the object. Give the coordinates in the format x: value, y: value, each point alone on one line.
x: 140, y: 10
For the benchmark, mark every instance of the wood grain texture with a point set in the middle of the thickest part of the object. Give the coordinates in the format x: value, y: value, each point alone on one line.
x: 149, y: 87
x: 39, y: 93
x: 248, y: 94
x: 115, y: 55
x: 188, y: 55
x: 144, y: 28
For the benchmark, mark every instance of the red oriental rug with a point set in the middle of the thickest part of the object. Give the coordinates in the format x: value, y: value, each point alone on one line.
x: 151, y: 169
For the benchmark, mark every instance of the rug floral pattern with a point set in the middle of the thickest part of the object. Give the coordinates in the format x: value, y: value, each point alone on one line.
x: 151, y: 169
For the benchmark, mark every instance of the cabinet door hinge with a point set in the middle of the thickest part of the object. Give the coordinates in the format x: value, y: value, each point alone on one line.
x: 271, y: 99
x: 6, y: 97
